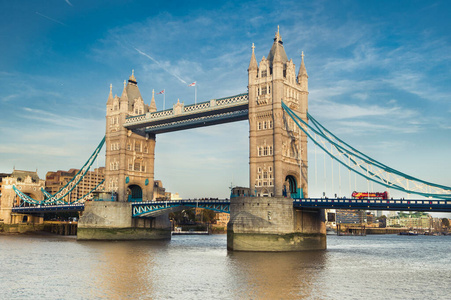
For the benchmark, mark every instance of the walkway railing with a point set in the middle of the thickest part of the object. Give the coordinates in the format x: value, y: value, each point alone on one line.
x: 182, y: 112
x: 375, y: 204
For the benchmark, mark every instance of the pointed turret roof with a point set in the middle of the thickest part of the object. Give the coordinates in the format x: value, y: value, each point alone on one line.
x: 253, y: 63
x: 110, y: 96
x: 153, y: 105
x: 124, y: 95
x: 132, y: 78
x: 277, y: 51
x: 302, y: 69
x: 132, y: 88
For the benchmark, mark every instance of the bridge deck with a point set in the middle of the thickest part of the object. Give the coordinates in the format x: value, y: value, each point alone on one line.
x: 153, y: 208
x: 376, y: 204
x: 48, y: 208
x: 180, y: 117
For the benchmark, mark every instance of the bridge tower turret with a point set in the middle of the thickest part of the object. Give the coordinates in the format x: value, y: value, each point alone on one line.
x: 129, y: 160
x: 277, y: 148
x: 266, y: 220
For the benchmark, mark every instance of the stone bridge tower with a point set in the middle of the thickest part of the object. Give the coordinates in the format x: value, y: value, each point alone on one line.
x: 277, y: 148
x: 130, y: 157
x: 266, y: 219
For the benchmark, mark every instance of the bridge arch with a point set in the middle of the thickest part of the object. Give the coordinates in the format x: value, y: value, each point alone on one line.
x: 291, y: 188
x: 134, y: 193
x: 20, y: 202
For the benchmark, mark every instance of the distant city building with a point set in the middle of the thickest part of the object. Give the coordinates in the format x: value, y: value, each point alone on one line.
x: 369, y: 218
x: 175, y: 196
x: 159, y: 192
x: 378, y: 213
x: 350, y: 216
x: 3, y: 175
x: 222, y: 219
x: 417, y: 220
x: 29, y: 183
x: 54, y: 181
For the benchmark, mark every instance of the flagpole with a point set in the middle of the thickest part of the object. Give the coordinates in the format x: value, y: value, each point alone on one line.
x: 195, y: 94
x: 164, y: 98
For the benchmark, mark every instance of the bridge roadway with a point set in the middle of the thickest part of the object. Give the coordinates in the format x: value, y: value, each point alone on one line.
x: 155, y: 208
x: 180, y: 117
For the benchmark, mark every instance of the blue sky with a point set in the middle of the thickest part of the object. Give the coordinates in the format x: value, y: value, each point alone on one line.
x: 379, y: 77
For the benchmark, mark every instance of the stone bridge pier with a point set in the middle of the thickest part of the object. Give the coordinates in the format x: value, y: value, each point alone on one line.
x: 272, y: 224
x: 103, y: 220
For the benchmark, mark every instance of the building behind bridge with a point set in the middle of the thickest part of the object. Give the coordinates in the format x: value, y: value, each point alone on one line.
x: 29, y: 183
x: 54, y: 181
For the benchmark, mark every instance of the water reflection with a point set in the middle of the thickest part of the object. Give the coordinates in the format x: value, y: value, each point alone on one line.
x: 277, y: 275
x: 200, y: 267
x: 124, y: 269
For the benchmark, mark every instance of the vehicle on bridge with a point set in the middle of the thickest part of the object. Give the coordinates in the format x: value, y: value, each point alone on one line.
x: 367, y: 195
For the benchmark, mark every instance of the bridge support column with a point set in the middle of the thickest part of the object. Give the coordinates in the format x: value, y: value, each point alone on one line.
x: 272, y: 224
x: 103, y: 220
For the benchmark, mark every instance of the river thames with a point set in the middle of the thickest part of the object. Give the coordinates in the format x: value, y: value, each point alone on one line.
x: 200, y: 267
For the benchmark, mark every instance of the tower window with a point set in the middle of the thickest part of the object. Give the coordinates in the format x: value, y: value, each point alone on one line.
x: 264, y: 73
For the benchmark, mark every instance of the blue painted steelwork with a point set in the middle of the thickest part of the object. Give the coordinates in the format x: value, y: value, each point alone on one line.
x: 365, y: 166
x: 58, y: 197
x: 48, y: 208
x: 199, y: 122
x: 150, y: 209
x: 215, y: 111
x: 376, y: 204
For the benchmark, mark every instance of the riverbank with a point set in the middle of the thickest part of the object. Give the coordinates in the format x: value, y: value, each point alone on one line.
x: 56, y: 227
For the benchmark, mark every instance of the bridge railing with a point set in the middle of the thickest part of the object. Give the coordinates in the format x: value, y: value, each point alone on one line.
x: 377, y: 204
x: 221, y: 103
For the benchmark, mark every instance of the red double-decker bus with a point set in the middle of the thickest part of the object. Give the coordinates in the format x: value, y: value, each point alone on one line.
x: 366, y: 195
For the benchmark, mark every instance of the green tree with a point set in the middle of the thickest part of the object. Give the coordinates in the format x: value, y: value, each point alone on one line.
x: 208, y: 215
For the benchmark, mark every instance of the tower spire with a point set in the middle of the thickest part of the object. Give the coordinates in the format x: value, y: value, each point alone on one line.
x: 253, y: 63
x: 110, y: 96
x: 277, y: 52
x: 302, y: 69
x: 153, y: 105
x: 132, y: 78
x: 124, y: 95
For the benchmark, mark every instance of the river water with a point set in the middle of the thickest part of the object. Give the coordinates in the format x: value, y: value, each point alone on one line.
x: 200, y: 267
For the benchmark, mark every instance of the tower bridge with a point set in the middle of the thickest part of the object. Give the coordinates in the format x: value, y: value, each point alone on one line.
x: 275, y: 213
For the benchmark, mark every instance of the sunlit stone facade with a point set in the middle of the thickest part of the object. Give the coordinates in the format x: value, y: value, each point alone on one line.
x: 130, y: 156
x: 277, y: 148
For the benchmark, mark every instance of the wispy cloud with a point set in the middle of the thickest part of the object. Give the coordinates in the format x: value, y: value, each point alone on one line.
x: 161, y: 65
x: 58, y: 119
x: 51, y: 19
x: 68, y: 2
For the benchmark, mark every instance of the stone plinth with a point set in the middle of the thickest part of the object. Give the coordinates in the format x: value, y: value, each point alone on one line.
x: 272, y: 224
x: 103, y: 220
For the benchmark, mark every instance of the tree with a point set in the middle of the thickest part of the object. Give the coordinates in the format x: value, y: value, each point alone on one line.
x: 208, y: 215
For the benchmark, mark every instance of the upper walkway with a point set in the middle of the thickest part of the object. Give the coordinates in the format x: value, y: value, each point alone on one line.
x: 180, y: 117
